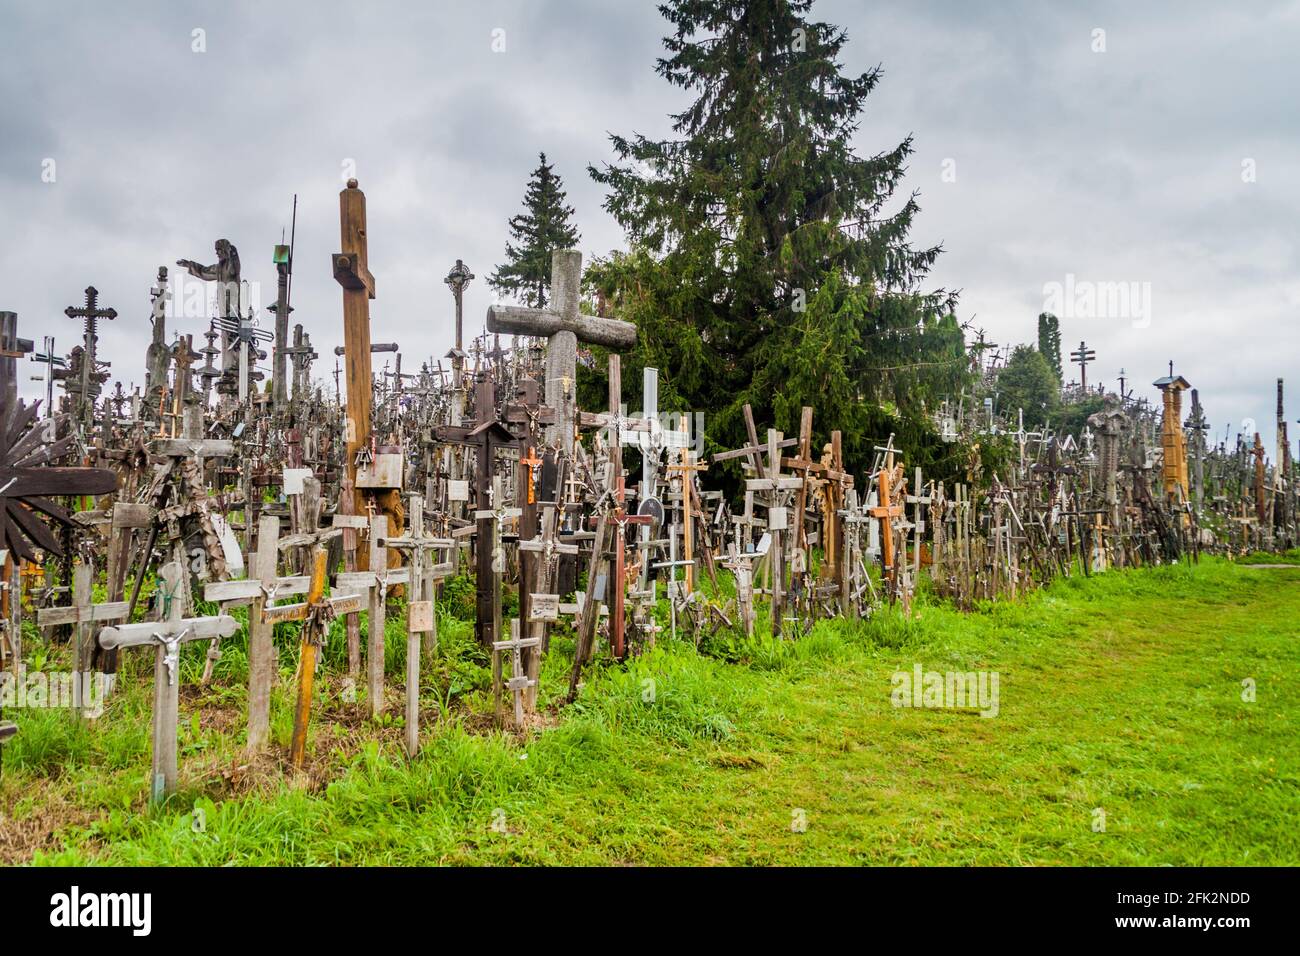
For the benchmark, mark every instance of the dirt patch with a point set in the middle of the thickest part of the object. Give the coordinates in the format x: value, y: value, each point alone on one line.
x: 39, y: 831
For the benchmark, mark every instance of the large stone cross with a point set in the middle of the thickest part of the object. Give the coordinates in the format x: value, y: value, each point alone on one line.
x: 564, y: 326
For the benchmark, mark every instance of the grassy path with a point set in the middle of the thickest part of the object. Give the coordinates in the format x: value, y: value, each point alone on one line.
x: 1121, y: 695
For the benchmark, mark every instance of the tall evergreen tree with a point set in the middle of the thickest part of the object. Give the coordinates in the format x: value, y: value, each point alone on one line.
x: 1049, y: 342
x: 765, y: 265
x: 1026, y: 383
x: 544, y: 226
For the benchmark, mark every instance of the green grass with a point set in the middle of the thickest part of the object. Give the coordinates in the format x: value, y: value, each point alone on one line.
x: 1121, y: 693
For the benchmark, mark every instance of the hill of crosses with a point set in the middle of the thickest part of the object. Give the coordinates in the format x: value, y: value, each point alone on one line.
x: 752, y: 430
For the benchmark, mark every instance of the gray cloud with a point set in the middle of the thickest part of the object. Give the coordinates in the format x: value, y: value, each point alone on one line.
x: 1115, y: 166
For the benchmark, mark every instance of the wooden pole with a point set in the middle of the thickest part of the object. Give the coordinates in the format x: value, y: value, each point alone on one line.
x: 352, y: 271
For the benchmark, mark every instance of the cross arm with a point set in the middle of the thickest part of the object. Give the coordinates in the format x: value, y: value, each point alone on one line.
x: 516, y: 320
x: 155, y: 632
x: 245, y: 589
x: 115, y: 611
x: 351, y: 273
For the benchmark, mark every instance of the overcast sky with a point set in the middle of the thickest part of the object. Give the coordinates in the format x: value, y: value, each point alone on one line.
x: 1163, y: 152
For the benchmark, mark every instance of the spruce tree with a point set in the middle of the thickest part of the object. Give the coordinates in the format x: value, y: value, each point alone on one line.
x: 544, y: 226
x: 770, y: 264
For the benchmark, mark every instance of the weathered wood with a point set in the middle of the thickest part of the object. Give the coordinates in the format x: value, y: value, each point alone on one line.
x: 167, y: 635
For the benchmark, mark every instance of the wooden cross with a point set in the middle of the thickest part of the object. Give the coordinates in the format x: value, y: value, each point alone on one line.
x: 376, y: 582
x: 315, y: 614
x: 886, y: 511
x: 352, y: 272
x: 167, y: 636
x: 548, y: 548
x: 519, y: 682
x: 563, y: 325
x: 620, y: 519
x: 854, y: 580
x: 493, y: 547
x: 687, y: 467
x: 259, y: 590
x: 84, y: 614
x: 421, y: 618
x: 1081, y: 357
x: 486, y: 437
x: 916, y: 500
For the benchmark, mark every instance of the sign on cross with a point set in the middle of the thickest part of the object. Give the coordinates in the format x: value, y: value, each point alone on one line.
x: 167, y: 636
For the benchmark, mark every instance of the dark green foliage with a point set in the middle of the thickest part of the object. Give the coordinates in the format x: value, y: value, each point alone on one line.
x: 1049, y: 342
x: 1070, y: 418
x: 1028, y: 383
x: 769, y: 264
x: 544, y: 226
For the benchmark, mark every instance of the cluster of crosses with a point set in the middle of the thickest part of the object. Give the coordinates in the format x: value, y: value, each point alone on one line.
x: 255, y: 487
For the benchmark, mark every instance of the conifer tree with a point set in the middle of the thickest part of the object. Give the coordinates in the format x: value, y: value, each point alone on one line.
x: 770, y: 264
x: 544, y: 226
x: 1049, y: 342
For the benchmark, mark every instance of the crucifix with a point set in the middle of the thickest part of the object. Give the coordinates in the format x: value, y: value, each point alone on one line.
x: 167, y: 635
x: 563, y: 325
x: 421, y: 619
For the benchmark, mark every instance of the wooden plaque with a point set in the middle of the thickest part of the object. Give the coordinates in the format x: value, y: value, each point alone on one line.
x: 544, y: 607
x: 419, y: 617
